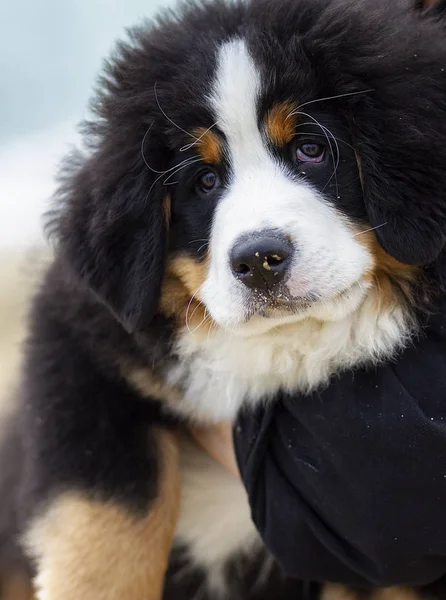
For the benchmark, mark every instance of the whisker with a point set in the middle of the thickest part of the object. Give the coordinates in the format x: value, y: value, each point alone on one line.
x: 155, y: 170
x: 188, y: 308
x: 322, y: 135
x: 213, y: 327
x: 206, y: 318
x: 196, y: 241
x: 195, y: 310
x: 305, y: 123
x: 187, y: 312
x: 166, y: 116
x: 142, y: 151
x: 182, y: 164
x: 187, y: 163
x: 328, y: 98
x: 325, y: 130
x: 338, y: 158
x: 206, y: 243
x: 192, y: 144
x: 370, y: 229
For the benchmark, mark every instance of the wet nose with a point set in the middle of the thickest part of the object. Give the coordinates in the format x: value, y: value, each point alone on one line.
x: 261, y: 260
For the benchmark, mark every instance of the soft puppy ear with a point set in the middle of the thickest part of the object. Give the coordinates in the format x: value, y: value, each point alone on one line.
x: 111, y: 223
x: 403, y: 185
x: 112, y: 232
x: 399, y: 130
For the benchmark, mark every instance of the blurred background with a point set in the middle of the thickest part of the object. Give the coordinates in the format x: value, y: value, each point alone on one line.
x: 50, y: 54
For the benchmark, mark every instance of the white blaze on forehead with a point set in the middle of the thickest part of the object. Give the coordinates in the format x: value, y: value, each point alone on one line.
x: 255, y: 176
x: 264, y: 194
x: 234, y: 99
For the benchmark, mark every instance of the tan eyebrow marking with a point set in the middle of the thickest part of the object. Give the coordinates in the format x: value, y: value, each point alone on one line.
x: 280, y: 123
x: 209, y: 145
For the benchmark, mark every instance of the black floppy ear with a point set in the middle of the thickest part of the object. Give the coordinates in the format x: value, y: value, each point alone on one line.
x: 399, y: 132
x: 111, y: 227
x: 404, y: 182
x: 112, y: 231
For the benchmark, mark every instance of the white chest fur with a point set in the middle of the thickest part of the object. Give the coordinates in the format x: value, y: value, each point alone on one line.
x: 220, y: 371
x: 215, y: 521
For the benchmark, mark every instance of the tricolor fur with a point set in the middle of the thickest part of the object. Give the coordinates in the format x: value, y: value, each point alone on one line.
x: 314, y: 129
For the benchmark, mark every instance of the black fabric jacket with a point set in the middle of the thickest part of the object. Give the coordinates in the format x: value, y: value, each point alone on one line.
x: 349, y: 484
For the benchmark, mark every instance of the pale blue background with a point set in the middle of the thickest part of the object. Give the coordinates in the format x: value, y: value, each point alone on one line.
x: 50, y: 54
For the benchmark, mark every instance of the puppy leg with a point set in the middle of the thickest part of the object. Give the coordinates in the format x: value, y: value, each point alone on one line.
x: 87, y: 549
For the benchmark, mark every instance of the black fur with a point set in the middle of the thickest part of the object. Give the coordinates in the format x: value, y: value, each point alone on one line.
x: 112, y: 230
x: 437, y: 8
x: 246, y: 587
x: 401, y: 118
x: 84, y: 428
x: 80, y: 424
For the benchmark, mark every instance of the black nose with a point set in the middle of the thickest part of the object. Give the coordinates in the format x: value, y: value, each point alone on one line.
x: 261, y: 260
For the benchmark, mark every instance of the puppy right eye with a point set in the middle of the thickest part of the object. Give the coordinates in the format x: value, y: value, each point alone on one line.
x: 207, y: 181
x: 310, y: 152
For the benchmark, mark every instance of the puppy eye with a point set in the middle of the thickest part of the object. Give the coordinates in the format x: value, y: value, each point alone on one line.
x: 310, y: 152
x: 207, y: 181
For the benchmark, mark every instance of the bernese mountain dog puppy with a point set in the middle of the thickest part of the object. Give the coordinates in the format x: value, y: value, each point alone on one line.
x: 260, y: 205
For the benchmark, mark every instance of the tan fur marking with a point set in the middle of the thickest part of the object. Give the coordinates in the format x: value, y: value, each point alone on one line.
x: 16, y: 587
x: 359, y: 163
x: 337, y: 592
x: 167, y: 209
x: 387, y: 270
x: 396, y: 593
x: 180, y: 296
x: 88, y: 550
x: 148, y: 385
x: 280, y: 126
x: 340, y: 592
x: 390, y: 276
x: 209, y: 145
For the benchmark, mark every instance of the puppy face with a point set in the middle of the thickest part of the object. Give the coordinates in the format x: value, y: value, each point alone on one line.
x: 242, y: 152
x: 267, y: 201
x: 281, y: 242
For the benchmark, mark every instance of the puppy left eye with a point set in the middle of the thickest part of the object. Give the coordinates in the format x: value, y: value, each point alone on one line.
x: 207, y: 181
x: 310, y: 152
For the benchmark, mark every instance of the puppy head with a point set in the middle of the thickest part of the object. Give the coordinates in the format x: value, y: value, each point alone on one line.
x: 335, y: 161
x: 253, y: 158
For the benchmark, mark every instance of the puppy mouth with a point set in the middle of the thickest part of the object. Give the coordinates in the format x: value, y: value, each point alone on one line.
x: 279, y: 303
x: 276, y: 303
